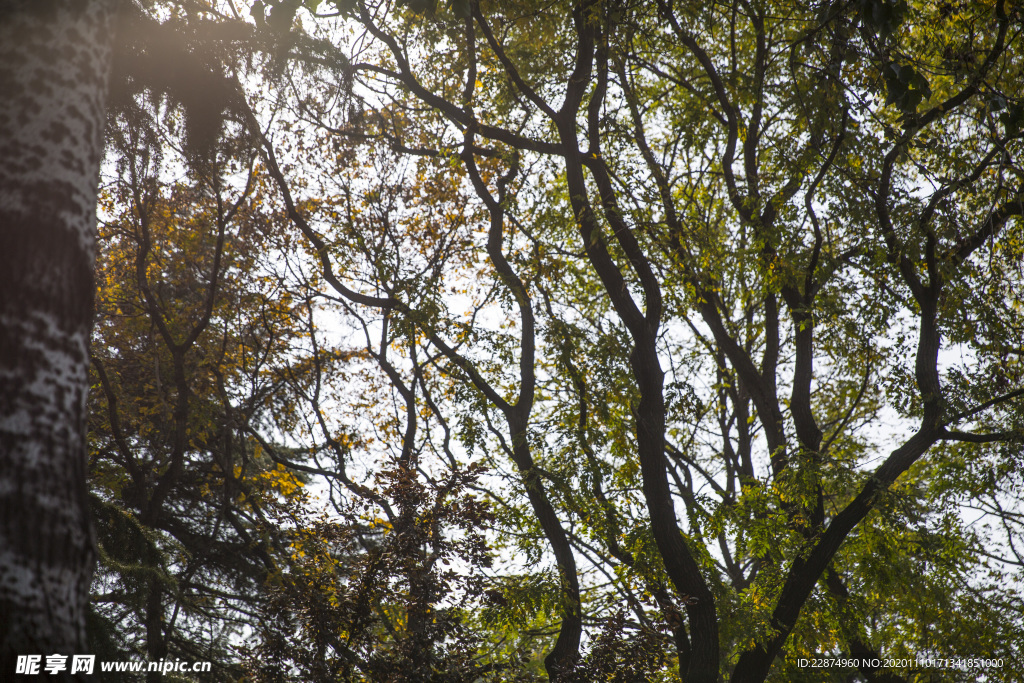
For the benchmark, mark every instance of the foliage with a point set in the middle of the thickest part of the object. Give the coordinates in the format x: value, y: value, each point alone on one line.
x: 371, y: 600
x: 687, y: 334
x: 191, y: 354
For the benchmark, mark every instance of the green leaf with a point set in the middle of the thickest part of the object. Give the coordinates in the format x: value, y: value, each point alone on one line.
x: 905, y: 87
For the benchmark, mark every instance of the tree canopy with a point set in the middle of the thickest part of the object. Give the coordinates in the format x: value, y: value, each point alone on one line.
x: 568, y: 341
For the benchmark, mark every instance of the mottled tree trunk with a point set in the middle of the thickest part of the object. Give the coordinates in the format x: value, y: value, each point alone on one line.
x: 54, y: 63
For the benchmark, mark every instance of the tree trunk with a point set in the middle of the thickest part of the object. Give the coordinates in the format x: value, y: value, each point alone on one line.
x: 54, y: 63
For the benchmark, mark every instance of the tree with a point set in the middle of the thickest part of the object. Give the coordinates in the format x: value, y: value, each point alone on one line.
x: 194, y: 351
x: 203, y: 363
x: 51, y: 128
x: 717, y: 303
x: 747, y: 231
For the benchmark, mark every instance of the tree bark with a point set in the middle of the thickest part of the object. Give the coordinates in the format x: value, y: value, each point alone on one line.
x: 54, y: 64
